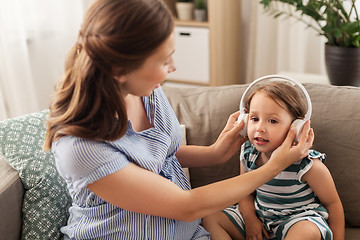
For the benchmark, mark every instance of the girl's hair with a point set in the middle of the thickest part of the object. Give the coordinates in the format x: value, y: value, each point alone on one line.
x: 116, y: 37
x: 286, y: 96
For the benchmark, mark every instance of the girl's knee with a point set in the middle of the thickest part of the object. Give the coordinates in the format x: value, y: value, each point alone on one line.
x: 215, y: 218
x: 221, y: 227
x: 304, y: 230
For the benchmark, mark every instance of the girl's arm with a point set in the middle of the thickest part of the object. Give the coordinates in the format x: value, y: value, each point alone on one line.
x: 227, y: 144
x: 254, y: 228
x: 321, y: 181
x: 139, y: 190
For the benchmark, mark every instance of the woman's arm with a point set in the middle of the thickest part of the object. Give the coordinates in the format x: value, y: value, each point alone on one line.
x: 227, y: 144
x: 139, y: 190
x: 320, y: 180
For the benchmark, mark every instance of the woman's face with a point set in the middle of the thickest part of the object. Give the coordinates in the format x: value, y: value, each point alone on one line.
x: 152, y: 73
x: 268, y: 123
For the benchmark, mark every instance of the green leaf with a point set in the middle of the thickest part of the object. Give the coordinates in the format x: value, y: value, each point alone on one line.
x: 330, y: 18
x: 356, y: 41
x: 337, y: 33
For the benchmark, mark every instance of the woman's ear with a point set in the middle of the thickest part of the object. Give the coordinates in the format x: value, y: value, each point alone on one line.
x: 119, y: 75
x: 120, y: 79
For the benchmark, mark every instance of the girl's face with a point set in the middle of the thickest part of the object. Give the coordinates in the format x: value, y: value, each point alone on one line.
x: 152, y: 73
x: 268, y: 123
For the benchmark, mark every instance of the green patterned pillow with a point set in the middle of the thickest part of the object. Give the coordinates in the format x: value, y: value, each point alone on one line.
x: 46, y: 200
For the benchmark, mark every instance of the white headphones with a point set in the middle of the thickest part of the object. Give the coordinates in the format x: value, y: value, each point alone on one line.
x: 298, y: 123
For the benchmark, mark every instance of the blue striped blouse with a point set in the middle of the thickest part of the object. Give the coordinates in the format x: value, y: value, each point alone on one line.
x: 81, y: 162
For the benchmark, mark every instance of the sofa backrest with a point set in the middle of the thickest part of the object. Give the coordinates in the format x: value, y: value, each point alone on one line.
x: 336, y: 122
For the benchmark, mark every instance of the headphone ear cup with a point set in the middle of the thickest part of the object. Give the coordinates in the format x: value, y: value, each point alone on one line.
x: 299, y: 124
x: 243, y: 132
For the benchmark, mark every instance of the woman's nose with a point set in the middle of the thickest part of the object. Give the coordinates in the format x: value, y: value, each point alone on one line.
x: 172, y: 67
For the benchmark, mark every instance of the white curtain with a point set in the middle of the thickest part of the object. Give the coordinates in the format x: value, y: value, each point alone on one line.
x: 35, y: 36
x: 279, y: 45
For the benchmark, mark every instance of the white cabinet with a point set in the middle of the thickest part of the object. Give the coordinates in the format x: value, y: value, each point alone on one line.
x: 192, y: 55
x: 211, y: 53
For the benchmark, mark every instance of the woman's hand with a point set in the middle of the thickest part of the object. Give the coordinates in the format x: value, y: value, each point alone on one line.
x: 227, y: 144
x: 229, y: 140
x: 289, y: 153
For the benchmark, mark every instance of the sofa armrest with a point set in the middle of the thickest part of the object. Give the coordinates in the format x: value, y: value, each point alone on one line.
x: 11, y: 196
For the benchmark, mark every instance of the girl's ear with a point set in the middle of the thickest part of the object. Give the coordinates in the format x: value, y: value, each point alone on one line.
x: 120, y: 79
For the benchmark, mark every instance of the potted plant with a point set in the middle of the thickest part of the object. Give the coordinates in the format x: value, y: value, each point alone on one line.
x: 185, y: 9
x: 338, y: 21
x: 200, y: 11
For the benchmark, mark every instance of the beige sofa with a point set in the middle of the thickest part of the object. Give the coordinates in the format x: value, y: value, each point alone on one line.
x: 204, y: 111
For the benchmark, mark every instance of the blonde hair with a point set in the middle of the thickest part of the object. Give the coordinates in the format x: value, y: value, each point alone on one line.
x: 116, y: 38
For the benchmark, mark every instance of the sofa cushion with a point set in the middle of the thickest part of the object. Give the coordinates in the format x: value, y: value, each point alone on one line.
x: 46, y: 200
x: 336, y: 122
x: 204, y: 111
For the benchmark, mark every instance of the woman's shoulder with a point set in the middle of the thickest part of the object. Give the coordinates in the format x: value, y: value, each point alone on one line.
x: 76, y: 145
x: 78, y: 157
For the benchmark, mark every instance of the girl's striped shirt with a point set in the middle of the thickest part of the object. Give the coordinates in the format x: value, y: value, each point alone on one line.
x: 285, y: 199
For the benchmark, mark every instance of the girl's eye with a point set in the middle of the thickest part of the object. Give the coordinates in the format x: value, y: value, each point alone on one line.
x: 255, y: 119
x: 273, y: 121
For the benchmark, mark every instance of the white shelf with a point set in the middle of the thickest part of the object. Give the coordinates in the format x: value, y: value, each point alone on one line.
x: 307, y: 77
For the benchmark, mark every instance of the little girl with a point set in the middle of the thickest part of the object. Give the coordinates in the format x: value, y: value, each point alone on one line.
x: 299, y: 203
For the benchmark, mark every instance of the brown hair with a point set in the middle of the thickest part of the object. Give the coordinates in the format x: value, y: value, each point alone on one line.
x: 286, y: 96
x: 116, y: 38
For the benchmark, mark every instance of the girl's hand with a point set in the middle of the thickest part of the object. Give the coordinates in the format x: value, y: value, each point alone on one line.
x: 289, y: 153
x: 255, y: 230
x: 229, y: 140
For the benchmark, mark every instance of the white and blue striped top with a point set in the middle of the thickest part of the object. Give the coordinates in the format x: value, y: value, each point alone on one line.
x: 81, y: 162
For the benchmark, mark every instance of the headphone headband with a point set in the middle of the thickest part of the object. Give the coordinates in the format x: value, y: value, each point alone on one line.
x: 275, y: 78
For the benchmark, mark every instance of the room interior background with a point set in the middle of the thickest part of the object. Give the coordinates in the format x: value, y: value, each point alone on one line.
x: 35, y: 36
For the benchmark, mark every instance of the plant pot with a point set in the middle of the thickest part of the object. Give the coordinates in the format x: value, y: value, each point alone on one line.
x: 343, y: 65
x: 185, y: 10
x: 200, y: 15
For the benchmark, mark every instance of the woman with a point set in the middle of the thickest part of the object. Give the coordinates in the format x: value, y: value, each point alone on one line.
x: 116, y: 139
